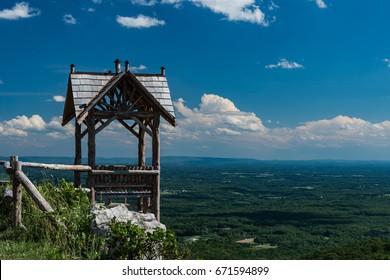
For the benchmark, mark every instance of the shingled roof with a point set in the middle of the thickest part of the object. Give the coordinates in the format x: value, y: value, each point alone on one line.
x: 83, y: 87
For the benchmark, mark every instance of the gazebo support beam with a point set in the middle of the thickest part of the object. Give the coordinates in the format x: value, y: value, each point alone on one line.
x: 78, y: 155
x: 156, y: 164
x: 91, y: 151
x: 141, y: 147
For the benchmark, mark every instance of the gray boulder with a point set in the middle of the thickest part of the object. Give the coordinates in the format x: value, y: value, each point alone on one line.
x: 103, y: 216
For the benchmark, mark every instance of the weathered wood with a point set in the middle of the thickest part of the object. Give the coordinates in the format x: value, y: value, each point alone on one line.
x: 156, y: 165
x: 78, y: 155
x: 125, y: 172
x: 33, y: 192
x: 122, y: 186
x: 141, y: 125
x: 65, y: 167
x: 90, y: 107
x: 123, y: 115
x: 16, y: 193
x: 110, y: 120
x: 91, y: 152
x: 36, y: 196
x: 130, y: 128
x: 141, y: 147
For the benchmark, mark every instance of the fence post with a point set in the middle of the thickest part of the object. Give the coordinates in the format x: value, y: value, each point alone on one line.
x: 17, y: 192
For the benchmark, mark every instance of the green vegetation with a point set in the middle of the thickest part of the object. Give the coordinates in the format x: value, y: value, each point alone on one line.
x: 43, y: 239
x: 288, y: 209
x: 293, y: 210
x: 129, y: 242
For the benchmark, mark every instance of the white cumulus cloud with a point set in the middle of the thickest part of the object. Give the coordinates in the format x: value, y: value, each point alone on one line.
x: 20, y: 10
x: 284, y: 64
x: 321, y: 4
x: 237, y: 10
x: 69, y: 19
x: 140, y: 21
x: 240, y: 10
x: 23, y: 122
x: 387, y: 61
x: 342, y: 130
x: 219, y: 124
x: 59, y: 98
x: 214, y: 116
x: 138, y: 68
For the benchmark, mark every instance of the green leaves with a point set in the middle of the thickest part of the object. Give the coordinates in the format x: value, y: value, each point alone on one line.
x: 129, y: 242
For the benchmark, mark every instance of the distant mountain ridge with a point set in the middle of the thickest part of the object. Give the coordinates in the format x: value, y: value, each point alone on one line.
x: 184, y: 160
x: 123, y: 160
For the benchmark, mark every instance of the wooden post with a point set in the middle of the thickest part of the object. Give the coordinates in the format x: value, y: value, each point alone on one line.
x: 17, y: 193
x: 35, y: 194
x: 141, y: 161
x: 77, y: 158
x: 32, y: 191
x: 141, y: 147
x: 91, y: 152
x: 156, y: 165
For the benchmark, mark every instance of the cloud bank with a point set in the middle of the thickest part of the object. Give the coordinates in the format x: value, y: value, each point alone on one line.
x: 217, y: 127
x: 216, y: 117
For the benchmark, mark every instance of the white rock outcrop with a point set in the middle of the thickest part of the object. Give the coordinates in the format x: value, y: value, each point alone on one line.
x: 102, y: 217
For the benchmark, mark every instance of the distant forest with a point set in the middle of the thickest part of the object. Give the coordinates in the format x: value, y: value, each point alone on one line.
x: 249, y: 209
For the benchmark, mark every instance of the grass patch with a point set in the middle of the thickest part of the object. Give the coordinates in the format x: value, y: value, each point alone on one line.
x: 41, y: 239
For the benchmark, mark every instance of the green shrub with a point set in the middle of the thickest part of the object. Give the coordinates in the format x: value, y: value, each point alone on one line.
x: 129, y: 242
x: 75, y: 240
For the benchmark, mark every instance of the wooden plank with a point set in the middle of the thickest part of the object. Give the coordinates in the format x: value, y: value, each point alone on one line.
x: 123, y: 194
x: 125, y: 172
x: 122, y: 186
x: 65, y: 167
x: 125, y: 115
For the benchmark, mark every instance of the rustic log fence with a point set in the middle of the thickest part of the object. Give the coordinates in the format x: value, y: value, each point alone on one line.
x: 108, y: 181
x: 18, y: 180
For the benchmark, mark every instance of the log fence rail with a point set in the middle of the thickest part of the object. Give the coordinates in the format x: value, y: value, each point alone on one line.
x: 109, y: 182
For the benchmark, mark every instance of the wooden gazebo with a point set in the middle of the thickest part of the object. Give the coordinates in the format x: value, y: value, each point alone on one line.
x: 136, y: 101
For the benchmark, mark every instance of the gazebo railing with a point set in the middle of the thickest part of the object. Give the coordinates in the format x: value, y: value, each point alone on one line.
x: 137, y: 185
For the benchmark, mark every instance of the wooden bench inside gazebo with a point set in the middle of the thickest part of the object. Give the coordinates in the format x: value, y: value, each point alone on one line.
x: 136, y: 101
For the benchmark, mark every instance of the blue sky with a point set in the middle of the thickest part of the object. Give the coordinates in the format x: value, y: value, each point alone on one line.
x: 281, y: 79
